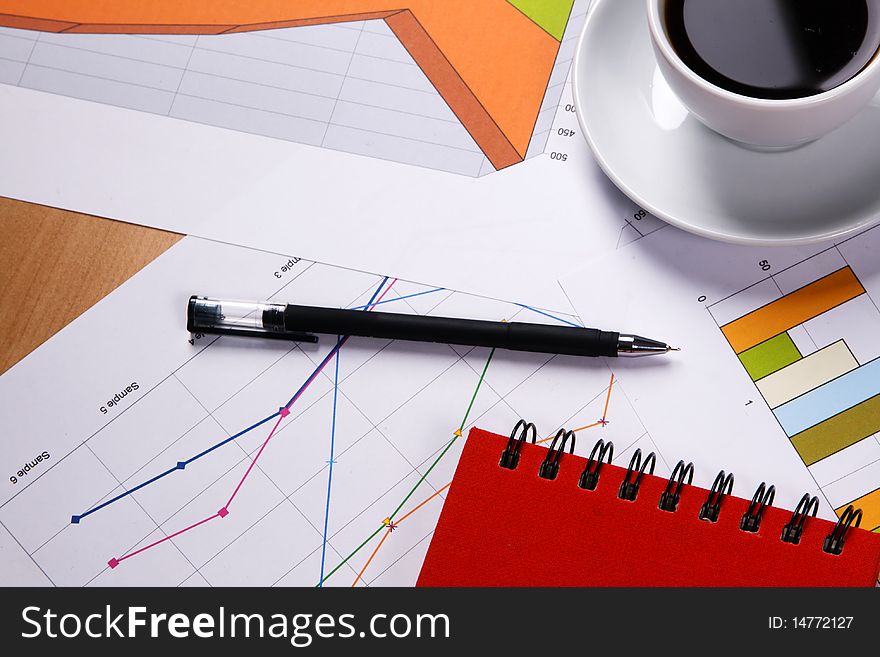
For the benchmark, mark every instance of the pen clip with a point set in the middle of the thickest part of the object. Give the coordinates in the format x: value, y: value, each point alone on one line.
x: 297, y: 336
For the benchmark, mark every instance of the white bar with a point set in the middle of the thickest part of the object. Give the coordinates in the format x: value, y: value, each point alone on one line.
x: 808, y: 373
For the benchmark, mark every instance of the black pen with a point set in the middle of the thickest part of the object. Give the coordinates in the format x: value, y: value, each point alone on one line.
x: 299, y: 323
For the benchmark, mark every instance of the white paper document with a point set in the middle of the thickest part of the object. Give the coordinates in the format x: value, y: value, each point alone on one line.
x: 131, y: 455
x: 779, y: 374
x: 327, y: 140
x: 134, y: 453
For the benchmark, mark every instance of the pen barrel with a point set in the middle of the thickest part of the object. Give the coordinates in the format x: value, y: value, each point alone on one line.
x: 477, y: 333
x: 565, y: 340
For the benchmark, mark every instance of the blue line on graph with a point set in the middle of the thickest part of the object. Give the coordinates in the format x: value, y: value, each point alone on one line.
x: 180, y: 465
x: 75, y: 519
x: 331, y: 461
x: 376, y: 293
x: 321, y: 366
x: 406, y: 296
x: 541, y: 312
x: 341, y: 341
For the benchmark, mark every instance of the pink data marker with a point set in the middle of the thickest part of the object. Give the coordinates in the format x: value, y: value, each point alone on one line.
x: 284, y: 411
x: 113, y: 562
x: 223, y: 512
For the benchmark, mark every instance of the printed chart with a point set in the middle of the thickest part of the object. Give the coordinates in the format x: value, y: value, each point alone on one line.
x: 232, y: 462
x: 464, y: 87
x: 778, y: 377
x: 814, y: 357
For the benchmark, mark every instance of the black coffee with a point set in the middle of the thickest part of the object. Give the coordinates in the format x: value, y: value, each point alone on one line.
x: 775, y: 48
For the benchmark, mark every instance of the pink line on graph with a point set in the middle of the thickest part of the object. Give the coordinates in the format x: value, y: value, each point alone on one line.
x: 326, y: 362
x: 272, y: 433
x: 387, y: 290
x: 222, y: 513
x: 115, y: 562
x: 253, y: 463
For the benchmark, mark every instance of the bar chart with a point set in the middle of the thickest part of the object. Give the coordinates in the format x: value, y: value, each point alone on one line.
x: 796, y: 346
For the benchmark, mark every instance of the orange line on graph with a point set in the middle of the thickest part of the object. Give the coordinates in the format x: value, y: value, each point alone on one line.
x: 367, y: 565
x: 412, y: 511
x: 392, y: 526
x: 607, y: 400
x: 601, y: 422
x: 489, y: 61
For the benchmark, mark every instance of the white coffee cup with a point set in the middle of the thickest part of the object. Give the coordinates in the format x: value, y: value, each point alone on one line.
x: 760, y: 122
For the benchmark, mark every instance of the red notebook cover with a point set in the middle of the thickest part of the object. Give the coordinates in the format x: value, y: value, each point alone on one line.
x: 502, y: 527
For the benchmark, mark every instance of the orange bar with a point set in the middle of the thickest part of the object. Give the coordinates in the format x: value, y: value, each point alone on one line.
x: 467, y: 108
x: 870, y: 506
x: 489, y: 61
x: 793, y: 309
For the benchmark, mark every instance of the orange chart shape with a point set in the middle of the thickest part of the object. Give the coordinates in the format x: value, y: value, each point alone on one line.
x: 490, y: 62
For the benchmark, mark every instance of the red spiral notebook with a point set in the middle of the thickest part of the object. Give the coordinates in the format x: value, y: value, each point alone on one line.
x: 512, y: 527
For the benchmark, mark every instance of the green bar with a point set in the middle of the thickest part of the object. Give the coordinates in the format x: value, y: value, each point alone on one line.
x: 550, y: 15
x: 770, y: 356
x: 839, y: 432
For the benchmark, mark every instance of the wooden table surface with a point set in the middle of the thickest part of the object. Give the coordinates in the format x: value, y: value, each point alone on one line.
x: 54, y: 265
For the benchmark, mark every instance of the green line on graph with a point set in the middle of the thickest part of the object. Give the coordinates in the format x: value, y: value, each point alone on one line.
x: 424, y: 476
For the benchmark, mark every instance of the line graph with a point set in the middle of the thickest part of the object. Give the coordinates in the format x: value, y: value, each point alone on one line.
x: 76, y: 519
x: 461, y: 86
x: 392, y: 524
x: 283, y: 412
x: 371, y: 412
x: 389, y: 521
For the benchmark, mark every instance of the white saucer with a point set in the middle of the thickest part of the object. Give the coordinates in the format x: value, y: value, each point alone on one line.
x: 679, y: 170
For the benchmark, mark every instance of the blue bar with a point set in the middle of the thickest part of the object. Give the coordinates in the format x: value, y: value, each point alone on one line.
x: 830, y: 399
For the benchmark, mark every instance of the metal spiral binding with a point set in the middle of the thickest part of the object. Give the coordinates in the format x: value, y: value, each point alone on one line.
x: 791, y: 533
x: 763, y: 497
x: 833, y: 543
x: 589, y: 478
x: 520, y: 433
x: 669, y: 498
x: 629, y: 490
x: 721, y: 487
x: 550, y: 466
x: 682, y: 475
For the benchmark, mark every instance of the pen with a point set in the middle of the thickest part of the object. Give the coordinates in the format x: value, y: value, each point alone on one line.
x: 299, y: 323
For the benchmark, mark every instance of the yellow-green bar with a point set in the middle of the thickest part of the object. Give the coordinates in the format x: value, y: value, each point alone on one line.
x: 839, y: 432
x: 770, y: 356
x: 551, y: 15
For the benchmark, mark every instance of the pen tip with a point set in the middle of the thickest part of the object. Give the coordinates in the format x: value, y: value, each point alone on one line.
x: 668, y: 348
